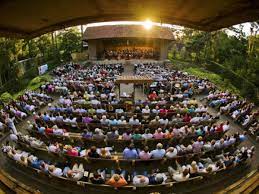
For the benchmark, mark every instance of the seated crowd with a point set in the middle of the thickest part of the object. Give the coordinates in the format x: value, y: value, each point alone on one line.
x: 118, y: 177
x: 132, y: 152
x: 18, y: 110
x: 90, y: 109
x: 240, y: 110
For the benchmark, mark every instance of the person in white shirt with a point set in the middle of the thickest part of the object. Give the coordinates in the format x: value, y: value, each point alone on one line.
x: 53, y: 148
x: 163, y: 121
x: 122, y: 121
x: 180, y: 174
x: 196, y: 119
x: 61, y: 100
x: 198, y: 109
x: 104, y: 120
x: 52, y: 118
x: 73, y: 122
x: 146, y: 110
x: 226, y: 126
x: 247, y: 120
x: 235, y: 114
x: 219, y: 144
x: 76, y: 173
x: 2, y: 126
x: 11, y: 125
x: 193, y: 167
x: 57, y: 131
x: 147, y: 134
x: 208, y: 146
x: 204, y: 109
x: 171, y: 152
x: 17, y: 156
x: 155, y: 110
x: 140, y: 181
x: 134, y: 121
x: 55, y: 171
x: 209, y: 166
x: 95, y: 102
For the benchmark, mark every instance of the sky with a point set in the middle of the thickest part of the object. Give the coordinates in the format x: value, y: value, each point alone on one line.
x: 246, y: 25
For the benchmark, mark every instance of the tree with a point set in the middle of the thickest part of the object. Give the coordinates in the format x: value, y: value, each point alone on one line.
x: 237, y: 55
x: 69, y: 42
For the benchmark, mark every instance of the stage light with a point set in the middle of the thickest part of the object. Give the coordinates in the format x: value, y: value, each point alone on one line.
x: 148, y: 24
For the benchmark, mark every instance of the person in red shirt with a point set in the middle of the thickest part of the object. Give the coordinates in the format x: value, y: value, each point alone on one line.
x: 163, y: 111
x: 187, y: 118
x: 220, y: 128
x: 153, y: 96
x: 48, y: 130
x: 72, y: 151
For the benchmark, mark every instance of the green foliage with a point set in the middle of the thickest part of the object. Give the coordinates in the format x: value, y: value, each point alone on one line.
x: 40, y: 80
x: 33, y: 84
x: 51, y: 48
x: 223, y: 84
x: 6, y: 97
x: 234, y: 58
x: 70, y: 41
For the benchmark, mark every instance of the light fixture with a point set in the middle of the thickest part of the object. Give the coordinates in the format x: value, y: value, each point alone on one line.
x: 148, y: 24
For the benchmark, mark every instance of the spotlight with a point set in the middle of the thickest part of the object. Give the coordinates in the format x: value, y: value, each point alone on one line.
x: 148, y: 24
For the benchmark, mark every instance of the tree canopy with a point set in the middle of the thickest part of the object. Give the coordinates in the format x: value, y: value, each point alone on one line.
x: 51, y: 48
x: 234, y: 57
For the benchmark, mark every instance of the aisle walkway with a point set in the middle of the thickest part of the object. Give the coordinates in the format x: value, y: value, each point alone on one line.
x: 128, y: 88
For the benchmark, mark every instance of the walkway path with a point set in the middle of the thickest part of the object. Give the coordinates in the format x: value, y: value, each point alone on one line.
x: 128, y: 88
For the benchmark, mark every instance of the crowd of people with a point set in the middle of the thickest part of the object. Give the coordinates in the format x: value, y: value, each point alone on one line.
x: 133, y: 152
x: 240, y: 110
x: 178, y: 83
x: 17, y: 110
x: 90, y: 109
x: 118, y: 177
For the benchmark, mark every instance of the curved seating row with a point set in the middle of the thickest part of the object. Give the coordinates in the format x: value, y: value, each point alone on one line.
x: 118, y: 162
x: 119, y: 144
x: 105, y: 105
x: 128, y: 115
x: 65, y: 184
x: 120, y: 128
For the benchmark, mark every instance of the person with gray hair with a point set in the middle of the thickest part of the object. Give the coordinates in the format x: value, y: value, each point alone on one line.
x: 159, y: 152
x: 98, y: 134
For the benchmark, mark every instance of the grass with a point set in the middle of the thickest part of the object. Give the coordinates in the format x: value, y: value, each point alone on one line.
x: 220, y: 82
x: 34, y: 84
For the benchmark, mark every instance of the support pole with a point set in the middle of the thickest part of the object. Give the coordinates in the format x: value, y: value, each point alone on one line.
x: 119, y: 91
x: 133, y: 92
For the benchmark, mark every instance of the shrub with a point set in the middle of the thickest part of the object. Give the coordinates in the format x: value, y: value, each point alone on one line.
x: 222, y: 83
x: 35, y: 80
x: 6, y: 97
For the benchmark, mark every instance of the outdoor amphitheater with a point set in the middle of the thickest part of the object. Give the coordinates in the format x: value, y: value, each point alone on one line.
x: 147, y: 97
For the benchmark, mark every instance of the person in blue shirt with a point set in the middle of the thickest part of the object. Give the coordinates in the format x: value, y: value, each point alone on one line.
x: 130, y: 152
x: 51, y: 108
x: 41, y: 129
x: 159, y: 152
x: 113, y: 121
x: 46, y: 117
x: 36, y: 163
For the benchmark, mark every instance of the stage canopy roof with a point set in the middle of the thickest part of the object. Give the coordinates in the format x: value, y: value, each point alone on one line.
x: 30, y: 18
x: 127, y: 31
